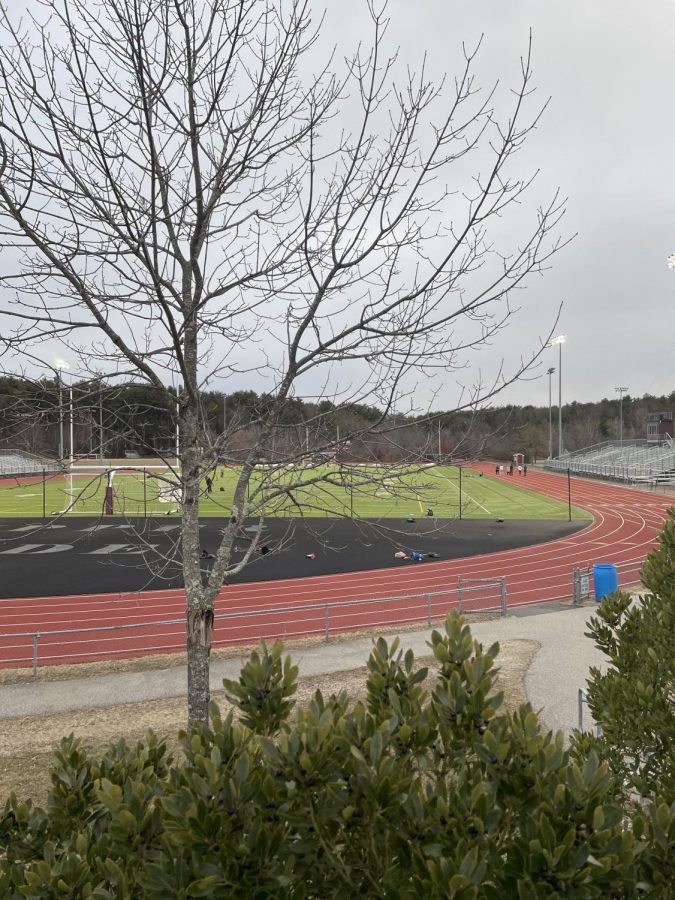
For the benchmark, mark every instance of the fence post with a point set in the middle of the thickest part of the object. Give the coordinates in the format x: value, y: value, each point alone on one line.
x: 576, y: 587
x: 459, y: 592
x: 503, y: 581
x: 428, y: 597
x: 36, y: 637
x: 325, y: 618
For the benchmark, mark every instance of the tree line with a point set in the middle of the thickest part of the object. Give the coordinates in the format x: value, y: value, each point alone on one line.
x: 136, y: 419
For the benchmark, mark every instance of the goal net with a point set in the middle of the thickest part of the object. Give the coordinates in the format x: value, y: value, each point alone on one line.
x: 120, y: 490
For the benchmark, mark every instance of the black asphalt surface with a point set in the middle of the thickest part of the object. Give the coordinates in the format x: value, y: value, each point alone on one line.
x: 82, y: 556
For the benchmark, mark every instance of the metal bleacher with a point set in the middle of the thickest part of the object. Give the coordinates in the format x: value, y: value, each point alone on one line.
x: 20, y: 462
x: 633, y: 461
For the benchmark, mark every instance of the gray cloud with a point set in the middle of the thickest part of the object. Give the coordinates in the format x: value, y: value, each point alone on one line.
x: 607, y: 139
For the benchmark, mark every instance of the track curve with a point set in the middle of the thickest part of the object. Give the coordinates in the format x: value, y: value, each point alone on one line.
x: 624, y: 529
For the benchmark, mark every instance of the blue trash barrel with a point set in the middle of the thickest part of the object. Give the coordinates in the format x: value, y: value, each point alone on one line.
x: 605, y: 579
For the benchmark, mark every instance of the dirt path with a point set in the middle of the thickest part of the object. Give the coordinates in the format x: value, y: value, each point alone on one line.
x: 26, y: 743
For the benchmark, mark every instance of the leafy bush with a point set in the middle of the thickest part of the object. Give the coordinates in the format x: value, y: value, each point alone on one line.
x: 634, y: 700
x: 420, y: 792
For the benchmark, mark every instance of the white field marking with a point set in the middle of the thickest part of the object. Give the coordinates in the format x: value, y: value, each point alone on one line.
x: 27, y: 495
x: 447, y: 478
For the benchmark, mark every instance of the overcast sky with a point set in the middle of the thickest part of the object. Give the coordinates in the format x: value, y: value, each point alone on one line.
x: 608, y: 141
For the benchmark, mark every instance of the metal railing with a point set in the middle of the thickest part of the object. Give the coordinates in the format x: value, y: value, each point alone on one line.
x: 467, y: 584
x: 247, y: 627
x: 627, y: 461
x: 250, y: 626
x: 42, y: 460
x: 22, y: 464
x: 581, y: 584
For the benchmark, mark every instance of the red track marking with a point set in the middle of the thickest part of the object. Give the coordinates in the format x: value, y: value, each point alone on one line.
x: 624, y: 529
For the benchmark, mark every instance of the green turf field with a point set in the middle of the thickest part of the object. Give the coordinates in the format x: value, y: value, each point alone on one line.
x: 360, y: 491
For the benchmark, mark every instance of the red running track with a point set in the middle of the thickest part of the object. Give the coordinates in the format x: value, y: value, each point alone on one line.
x: 624, y: 529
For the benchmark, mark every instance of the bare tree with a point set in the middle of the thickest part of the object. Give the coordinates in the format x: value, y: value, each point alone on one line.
x: 187, y: 196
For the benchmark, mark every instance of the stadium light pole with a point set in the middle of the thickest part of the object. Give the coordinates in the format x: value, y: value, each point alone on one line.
x: 61, y: 366
x: 460, y: 490
x: 177, y: 445
x: 100, y: 421
x: 558, y: 341
x: 550, y: 372
x: 621, y: 391
x: 72, y: 453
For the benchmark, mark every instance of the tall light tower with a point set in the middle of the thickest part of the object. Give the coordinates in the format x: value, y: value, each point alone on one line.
x: 621, y: 391
x: 550, y: 372
x: 558, y: 341
x: 61, y: 366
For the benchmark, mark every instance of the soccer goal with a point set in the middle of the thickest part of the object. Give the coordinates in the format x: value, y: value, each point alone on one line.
x: 122, y: 490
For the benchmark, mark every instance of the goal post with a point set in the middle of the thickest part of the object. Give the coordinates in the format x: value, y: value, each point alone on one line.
x: 109, y: 503
x: 123, y: 490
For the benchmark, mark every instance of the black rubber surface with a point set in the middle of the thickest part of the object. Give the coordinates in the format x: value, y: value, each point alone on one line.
x: 82, y: 556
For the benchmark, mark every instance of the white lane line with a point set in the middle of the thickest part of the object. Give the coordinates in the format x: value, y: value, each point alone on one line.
x: 447, y: 478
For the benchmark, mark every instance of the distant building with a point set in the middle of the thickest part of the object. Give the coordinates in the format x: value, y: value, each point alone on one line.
x: 660, y: 426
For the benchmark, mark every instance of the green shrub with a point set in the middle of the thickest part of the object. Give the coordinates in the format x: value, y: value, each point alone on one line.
x: 634, y: 700
x: 420, y: 792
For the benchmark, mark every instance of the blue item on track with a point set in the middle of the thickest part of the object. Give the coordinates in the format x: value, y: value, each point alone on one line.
x: 605, y: 579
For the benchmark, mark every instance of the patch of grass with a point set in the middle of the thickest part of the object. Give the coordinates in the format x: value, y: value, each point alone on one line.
x: 328, y: 490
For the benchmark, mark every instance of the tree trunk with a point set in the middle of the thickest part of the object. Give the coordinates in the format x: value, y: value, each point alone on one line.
x: 199, y: 631
x: 200, y: 602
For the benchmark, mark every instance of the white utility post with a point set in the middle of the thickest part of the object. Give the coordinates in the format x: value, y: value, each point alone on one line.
x: 177, y: 427
x: 100, y: 421
x: 550, y: 372
x: 558, y: 341
x: 72, y: 429
x: 621, y: 391
x: 61, y: 366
